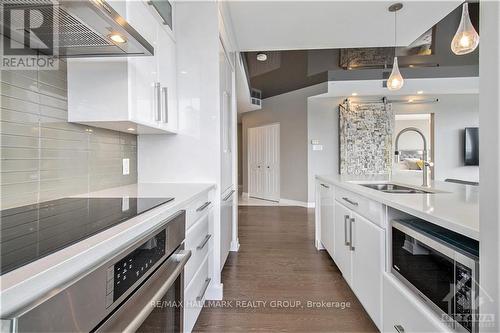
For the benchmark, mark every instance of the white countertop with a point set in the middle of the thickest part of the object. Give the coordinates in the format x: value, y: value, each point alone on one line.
x: 454, y: 206
x: 36, y: 280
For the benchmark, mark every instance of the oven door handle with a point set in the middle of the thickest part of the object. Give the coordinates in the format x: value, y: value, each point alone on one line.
x: 130, y: 315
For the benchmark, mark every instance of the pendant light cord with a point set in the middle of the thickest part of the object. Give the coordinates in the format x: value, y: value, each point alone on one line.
x: 395, y: 31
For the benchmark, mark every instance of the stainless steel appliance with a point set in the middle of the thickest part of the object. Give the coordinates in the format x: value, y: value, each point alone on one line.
x: 440, y: 266
x: 84, y: 28
x: 138, y: 289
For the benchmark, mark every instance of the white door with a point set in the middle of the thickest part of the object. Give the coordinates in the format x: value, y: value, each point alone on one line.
x: 368, y: 261
x: 342, y: 252
x: 264, y: 162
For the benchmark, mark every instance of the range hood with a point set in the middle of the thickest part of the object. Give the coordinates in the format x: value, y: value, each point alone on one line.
x: 84, y: 28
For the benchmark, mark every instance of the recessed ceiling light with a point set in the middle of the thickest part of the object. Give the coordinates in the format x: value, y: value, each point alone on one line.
x: 354, y: 94
x: 410, y: 100
x: 261, y: 56
x: 184, y: 72
x: 117, y: 38
x: 420, y: 92
x: 131, y: 129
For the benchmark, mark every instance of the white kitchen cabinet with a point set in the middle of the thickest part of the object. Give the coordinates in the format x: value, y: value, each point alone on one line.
x: 367, y: 260
x: 342, y: 252
x: 133, y: 94
x: 404, y: 312
x: 327, y: 217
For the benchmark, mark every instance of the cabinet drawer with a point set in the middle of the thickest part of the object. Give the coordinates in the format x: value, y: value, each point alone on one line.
x: 197, y: 208
x: 370, y: 209
x: 198, y: 241
x: 404, y: 311
x: 194, y: 296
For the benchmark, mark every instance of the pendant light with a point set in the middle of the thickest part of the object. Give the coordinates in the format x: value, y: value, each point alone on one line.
x: 466, y: 38
x: 395, y: 81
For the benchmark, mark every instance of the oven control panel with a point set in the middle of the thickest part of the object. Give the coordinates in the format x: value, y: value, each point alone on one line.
x: 124, y: 273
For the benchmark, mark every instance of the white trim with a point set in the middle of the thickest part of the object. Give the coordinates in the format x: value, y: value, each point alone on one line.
x: 288, y: 202
x: 235, y: 246
x: 214, y: 292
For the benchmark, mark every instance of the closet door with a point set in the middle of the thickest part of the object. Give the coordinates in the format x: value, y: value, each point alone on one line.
x: 263, y: 162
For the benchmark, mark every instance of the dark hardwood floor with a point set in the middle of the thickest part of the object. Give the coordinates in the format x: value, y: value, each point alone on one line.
x: 277, y: 261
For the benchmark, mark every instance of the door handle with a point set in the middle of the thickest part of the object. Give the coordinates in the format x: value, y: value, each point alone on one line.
x: 202, y: 207
x: 204, y: 242
x: 346, y: 218
x: 354, y: 203
x: 399, y: 328
x: 228, y: 196
x: 351, y: 245
x: 203, y: 290
x: 325, y: 186
x: 164, y: 92
x: 157, y: 101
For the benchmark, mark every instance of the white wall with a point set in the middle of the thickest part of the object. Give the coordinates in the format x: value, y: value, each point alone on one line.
x: 322, y: 125
x: 452, y: 114
x: 411, y: 140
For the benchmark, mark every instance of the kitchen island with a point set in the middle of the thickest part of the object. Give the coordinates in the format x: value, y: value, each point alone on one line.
x: 356, y: 225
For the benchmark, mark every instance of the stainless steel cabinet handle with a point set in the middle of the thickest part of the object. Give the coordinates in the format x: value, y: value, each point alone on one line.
x: 203, y: 290
x: 354, y: 203
x: 325, y: 186
x: 202, y: 207
x: 351, y: 245
x: 346, y: 218
x: 228, y: 196
x: 399, y: 328
x: 204, y: 242
x: 164, y: 92
x: 157, y: 101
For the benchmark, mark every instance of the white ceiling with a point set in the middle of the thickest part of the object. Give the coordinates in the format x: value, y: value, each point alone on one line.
x: 261, y: 25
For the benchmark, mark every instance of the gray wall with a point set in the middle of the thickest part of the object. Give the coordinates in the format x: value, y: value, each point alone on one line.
x: 290, y: 110
x: 45, y: 157
x: 322, y: 125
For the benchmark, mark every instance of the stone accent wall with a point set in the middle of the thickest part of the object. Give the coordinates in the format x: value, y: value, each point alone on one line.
x: 366, y: 132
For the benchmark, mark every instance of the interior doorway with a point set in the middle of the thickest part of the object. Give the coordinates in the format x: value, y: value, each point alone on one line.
x: 264, y: 162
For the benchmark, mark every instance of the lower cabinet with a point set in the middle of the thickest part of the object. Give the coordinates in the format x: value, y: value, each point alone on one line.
x: 359, y: 254
x: 403, y: 312
x: 194, y: 295
x: 226, y: 225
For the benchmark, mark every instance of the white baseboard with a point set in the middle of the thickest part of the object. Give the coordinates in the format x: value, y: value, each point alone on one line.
x: 214, y: 292
x: 297, y: 203
x: 235, y: 245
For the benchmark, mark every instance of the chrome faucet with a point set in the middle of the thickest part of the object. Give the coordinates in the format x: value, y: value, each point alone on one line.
x: 427, y: 164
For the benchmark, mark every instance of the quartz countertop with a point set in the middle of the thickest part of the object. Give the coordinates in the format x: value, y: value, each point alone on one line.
x: 38, y: 279
x: 452, y: 206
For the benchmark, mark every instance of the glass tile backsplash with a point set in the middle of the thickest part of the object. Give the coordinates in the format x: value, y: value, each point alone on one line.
x: 43, y: 156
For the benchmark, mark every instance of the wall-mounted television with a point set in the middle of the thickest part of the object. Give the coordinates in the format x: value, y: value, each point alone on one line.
x: 471, y: 146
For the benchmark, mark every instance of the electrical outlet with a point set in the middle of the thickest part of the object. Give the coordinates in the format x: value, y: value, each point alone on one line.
x: 126, y: 166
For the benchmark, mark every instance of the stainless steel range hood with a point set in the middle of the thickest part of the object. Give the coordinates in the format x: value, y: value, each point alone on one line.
x: 84, y: 28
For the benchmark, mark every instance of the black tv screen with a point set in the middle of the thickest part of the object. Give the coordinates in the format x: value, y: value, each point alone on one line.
x: 471, y: 152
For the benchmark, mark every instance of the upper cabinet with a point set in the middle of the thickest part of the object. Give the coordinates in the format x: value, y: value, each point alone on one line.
x: 133, y: 94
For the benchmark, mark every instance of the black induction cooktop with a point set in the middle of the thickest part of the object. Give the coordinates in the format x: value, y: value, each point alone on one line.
x: 31, y: 232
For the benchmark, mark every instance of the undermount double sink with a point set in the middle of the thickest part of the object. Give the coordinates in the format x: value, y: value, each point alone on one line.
x: 395, y: 188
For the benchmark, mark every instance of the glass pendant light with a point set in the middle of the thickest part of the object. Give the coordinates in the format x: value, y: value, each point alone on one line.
x: 395, y: 81
x: 466, y: 38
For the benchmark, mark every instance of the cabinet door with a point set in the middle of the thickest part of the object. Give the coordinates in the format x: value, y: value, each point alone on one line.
x: 342, y: 253
x: 367, y: 265
x: 327, y: 217
x: 167, y: 71
x: 143, y: 77
x: 226, y: 226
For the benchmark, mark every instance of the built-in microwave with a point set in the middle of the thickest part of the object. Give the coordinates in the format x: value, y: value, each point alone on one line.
x: 441, y: 267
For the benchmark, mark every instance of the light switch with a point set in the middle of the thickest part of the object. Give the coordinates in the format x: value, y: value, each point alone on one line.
x: 317, y: 147
x: 126, y: 166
